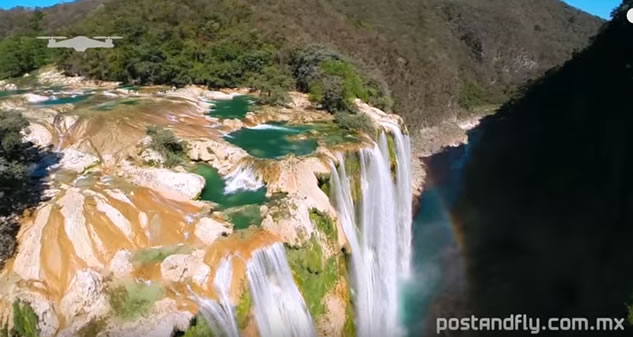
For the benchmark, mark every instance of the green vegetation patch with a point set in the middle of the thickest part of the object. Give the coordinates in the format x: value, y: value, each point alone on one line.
x: 199, y: 328
x: 245, y: 216
x: 324, y: 223
x: 352, y: 168
x: 334, y: 81
x: 24, y: 320
x: 243, y: 309
x: 133, y: 299
x: 472, y: 95
x: 157, y: 255
x: 314, y: 277
x: 393, y: 156
x: 332, y: 134
x: 19, y: 55
x: 349, y: 327
x: 355, y: 122
x: 324, y: 183
x: 92, y: 329
x: 165, y: 142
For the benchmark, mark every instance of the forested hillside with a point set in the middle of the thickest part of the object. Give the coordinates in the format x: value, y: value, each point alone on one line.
x: 435, y: 58
x: 545, y: 209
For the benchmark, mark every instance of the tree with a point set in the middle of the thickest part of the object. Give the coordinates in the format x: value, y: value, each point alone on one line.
x: 19, y: 55
x: 273, y: 84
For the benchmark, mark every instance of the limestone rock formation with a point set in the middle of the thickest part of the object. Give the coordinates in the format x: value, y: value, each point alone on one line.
x: 173, y: 185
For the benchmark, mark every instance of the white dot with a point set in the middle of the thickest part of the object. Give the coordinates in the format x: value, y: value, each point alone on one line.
x: 629, y: 15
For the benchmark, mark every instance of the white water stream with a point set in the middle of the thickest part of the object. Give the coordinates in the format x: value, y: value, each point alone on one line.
x: 279, y: 307
x: 220, y: 314
x: 380, y: 237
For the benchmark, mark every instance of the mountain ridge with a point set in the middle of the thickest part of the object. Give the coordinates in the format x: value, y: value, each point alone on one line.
x: 474, y: 52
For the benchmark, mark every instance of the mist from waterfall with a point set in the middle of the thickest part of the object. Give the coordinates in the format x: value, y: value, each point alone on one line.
x: 278, y: 305
x: 380, y: 238
x: 220, y: 314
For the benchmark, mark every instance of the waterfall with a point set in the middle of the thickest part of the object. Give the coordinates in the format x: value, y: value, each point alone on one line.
x: 220, y: 314
x: 243, y: 177
x: 404, y: 199
x: 380, y: 239
x: 279, y: 307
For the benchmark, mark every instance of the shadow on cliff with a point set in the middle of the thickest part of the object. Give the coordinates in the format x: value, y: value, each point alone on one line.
x: 20, y: 193
x: 545, y: 213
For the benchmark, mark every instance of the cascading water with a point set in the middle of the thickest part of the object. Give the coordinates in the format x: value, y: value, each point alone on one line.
x: 380, y: 238
x: 244, y: 178
x: 279, y: 307
x: 404, y: 199
x: 220, y: 314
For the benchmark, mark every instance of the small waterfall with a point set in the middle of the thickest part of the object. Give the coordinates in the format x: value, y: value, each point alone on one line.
x: 243, y: 177
x: 279, y: 307
x: 381, y: 238
x: 220, y: 314
x: 271, y: 127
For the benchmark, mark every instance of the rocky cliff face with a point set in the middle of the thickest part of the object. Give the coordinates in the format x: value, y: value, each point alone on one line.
x: 120, y: 244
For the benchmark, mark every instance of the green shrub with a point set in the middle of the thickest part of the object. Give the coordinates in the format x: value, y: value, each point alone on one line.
x: 472, y: 95
x: 324, y: 183
x: 243, y: 309
x: 24, y: 320
x: 329, y: 92
x: 306, y: 65
x: 324, y: 223
x: 349, y: 327
x: 314, y: 277
x: 199, y: 328
x: 19, y: 55
x: 157, y: 255
x: 352, y: 168
x: 273, y: 84
x: 13, y: 166
x: 92, y: 329
x: 333, y: 81
x: 165, y: 142
x: 356, y: 121
x: 131, y: 299
x: 393, y: 156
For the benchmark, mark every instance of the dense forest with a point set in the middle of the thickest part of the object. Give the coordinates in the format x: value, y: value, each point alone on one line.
x: 431, y: 58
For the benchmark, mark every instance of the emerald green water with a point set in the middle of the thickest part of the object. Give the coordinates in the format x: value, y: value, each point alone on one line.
x: 66, y: 100
x: 241, y: 207
x: 237, y: 107
x: 12, y: 92
x: 274, y: 140
x: 107, y: 106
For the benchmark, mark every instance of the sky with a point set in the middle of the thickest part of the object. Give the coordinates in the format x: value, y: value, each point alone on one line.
x: 6, y: 4
x: 600, y: 8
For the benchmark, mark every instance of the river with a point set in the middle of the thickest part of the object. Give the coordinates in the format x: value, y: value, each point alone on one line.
x: 437, y: 285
